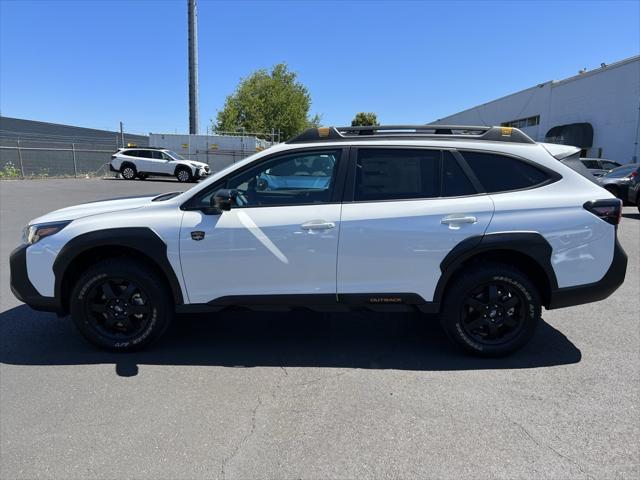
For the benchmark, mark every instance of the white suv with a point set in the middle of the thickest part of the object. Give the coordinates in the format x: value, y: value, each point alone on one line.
x: 481, y: 225
x: 143, y: 162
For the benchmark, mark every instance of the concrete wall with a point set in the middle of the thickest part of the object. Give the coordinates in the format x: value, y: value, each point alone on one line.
x: 608, y: 98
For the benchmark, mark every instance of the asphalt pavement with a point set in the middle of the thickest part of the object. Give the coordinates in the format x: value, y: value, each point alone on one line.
x: 311, y: 395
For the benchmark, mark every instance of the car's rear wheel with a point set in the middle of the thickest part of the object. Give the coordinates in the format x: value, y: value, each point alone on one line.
x: 183, y: 175
x: 128, y: 172
x: 121, y: 304
x: 491, y: 310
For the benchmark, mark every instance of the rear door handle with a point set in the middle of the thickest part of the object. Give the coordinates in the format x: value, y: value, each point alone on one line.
x: 458, y: 219
x: 317, y: 225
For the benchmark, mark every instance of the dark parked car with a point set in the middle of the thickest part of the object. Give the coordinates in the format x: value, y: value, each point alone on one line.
x: 633, y: 188
x: 599, y: 166
x: 617, y: 180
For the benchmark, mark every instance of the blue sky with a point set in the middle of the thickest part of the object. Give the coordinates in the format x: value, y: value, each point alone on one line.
x: 94, y: 63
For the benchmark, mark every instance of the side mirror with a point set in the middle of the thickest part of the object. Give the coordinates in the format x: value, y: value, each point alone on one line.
x: 224, y: 199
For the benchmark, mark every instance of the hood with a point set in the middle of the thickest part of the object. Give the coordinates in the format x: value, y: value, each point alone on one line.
x: 199, y: 164
x: 94, y: 208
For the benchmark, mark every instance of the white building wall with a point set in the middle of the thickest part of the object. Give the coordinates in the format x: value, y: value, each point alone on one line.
x: 608, y: 98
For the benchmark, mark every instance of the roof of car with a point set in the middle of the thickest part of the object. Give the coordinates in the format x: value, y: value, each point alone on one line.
x: 144, y: 148
x: 414, y: 132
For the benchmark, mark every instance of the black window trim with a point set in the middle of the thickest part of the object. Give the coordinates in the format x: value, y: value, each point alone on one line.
x: 336, y: 195
x: 553, y: 176
x: 350, y: 190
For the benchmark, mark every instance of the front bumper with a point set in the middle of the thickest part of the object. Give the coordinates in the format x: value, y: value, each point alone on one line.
x: 596, y: 291
x: 22, y: 287
x: 201, y: 173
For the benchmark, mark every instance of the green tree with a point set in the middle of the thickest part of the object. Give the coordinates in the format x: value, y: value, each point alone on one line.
x: 365, y: 119
x: 268, y: 100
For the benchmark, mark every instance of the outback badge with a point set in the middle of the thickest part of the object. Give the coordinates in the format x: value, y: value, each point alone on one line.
x: 197, y: 235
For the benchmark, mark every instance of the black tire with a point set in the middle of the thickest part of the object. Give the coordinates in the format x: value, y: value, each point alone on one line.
x: 184, y: 175
x: 491, y: 310
x: 128, y: 171
x: 106, y: 295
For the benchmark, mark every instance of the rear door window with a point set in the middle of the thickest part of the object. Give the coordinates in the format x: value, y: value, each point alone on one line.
x: 455, y: 182
x: 396, y: 174
x: 499, y: 173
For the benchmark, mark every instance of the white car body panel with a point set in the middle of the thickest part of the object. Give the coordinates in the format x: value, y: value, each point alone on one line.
x: 397, y: 246
x: 163, y: 218
x: 260, y: 251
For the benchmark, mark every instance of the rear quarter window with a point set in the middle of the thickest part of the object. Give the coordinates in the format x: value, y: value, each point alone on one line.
x: 499, y: 173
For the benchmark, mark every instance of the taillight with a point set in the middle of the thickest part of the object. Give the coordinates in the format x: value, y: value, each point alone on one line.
x: 609, y: 210
x: 634, y: 174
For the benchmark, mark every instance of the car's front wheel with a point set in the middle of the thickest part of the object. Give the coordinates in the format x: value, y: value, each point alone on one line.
x: 184, y: 175
x: 121, y: 304
x: 491, y: 310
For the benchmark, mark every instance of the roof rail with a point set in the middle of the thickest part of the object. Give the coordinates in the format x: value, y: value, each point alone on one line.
x: 453, y: 132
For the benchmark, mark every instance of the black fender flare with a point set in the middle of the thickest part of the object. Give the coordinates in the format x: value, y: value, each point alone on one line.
x: 141, y: 239
x: 530, y: 244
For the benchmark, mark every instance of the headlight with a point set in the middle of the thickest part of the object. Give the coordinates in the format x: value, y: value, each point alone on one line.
x: 34, y: 233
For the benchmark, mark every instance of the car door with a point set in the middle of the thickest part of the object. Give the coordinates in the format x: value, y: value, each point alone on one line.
x: 277, y: 239
x: 408, y: 209
x: 166, y: 164
x: 144, y: 162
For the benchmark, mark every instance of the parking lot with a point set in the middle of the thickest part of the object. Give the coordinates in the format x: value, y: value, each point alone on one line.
x: 311, y: 395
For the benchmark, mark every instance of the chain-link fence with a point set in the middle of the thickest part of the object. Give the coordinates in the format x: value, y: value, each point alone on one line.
x: 38, y: 156
x: 39, y: 159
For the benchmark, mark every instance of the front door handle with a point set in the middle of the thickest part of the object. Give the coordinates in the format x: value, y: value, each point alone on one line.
x: 317, y: 225
x: 458, y: 219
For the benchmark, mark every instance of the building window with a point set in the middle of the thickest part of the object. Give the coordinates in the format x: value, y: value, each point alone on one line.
x: 523, y: 122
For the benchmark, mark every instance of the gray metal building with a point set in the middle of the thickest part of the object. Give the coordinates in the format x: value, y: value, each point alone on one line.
x: 25, y: 130
x: 31, y: 148
x: 597, y: 110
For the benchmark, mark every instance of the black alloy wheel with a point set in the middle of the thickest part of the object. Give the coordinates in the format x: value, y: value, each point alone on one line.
x: 117, y: 308
x: 493, y: 313
x: 490, y: 309
x: 121, y: 304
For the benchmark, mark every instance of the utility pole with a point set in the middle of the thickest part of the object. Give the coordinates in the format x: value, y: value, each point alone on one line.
x: 122, y: 134
x: 193, y: 67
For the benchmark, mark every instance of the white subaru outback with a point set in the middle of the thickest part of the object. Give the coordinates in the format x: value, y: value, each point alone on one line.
x: 480, y: 225
x: 143, y: 162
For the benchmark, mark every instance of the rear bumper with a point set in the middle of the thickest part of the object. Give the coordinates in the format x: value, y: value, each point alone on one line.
x: 593, y: 292
x: 22, y: 287
x: 112, y: 169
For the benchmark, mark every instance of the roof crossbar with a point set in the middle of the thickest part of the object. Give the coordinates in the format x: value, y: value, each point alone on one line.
x: 453, y: 132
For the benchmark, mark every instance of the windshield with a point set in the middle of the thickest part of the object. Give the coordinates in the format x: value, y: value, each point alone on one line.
x: 173, y: 154
x: 621, y: 171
